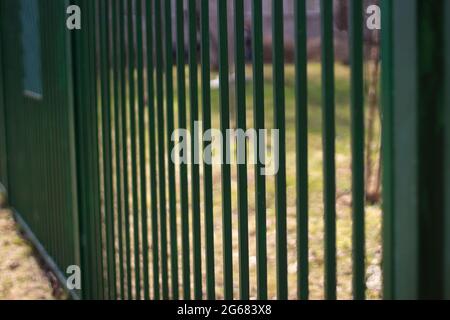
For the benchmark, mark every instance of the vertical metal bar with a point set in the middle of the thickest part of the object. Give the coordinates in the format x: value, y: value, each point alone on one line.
x: 357, y: 136
x: 78, y: 48
x: 51, y: 158
x: 124, y: 108
x: 98, y: 97
x: 241, y: 149
x: 404, y: 73
x: 92, y: 139
x: 258, y: 120
x: 387, y: 147
x: 195, y: 174
x: 447, y: 148
x: 80, y: 52
x: 170, y: 146
x: 280, y: 125
x: 96, y: 239
x: 431, y: 146
x: 106, y: 135
x: 152, y: 146
x: 329, y: 166
x: 224, y: 101
x: 142, y: 150
x: 301, y: 120
x: 3, y: 139
x: 207, y: 168
x: 117, y: 130
x: 161, y: 147
x: 184, y: 197
x: 417, y: 129
x: 94, y: 123
x: 133, y: 115
x: 74, y: 215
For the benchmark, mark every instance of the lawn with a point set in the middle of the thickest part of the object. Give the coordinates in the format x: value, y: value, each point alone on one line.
x: 21, y: 276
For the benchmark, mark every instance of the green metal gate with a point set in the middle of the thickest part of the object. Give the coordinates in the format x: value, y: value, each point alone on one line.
x: 88, y: 167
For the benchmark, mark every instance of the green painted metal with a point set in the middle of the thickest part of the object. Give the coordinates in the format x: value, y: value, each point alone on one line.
x: 132, y: 67
x: 142, y: 151
x: 118, y: 144
x: 431, y: 147
x: 195, y: 168
x: 388, y: 155
x: 182, y: 124
x: 152, y: 140
x: 85, y: 169
x: 125, y: 121
x: 170, y: 146
x: 100, y: 140
x: 161, y: 148
x: 241, y: 124
x: 280, y: 125
x: 328, y: 123
x: 357, y: 128
x: 447, y: 147
x: 94, y: 139
x: 152, y: 146
x: 415, y: 263
x: 107, y: 144
x: 405, y: 211
x: 39, y: 139
x: 258, y: 120
x: 224, y: 101
x: 207, y: 168
x: 3, y: 148
x: 301, y: 120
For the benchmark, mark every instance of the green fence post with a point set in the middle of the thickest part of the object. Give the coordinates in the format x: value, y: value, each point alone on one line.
x: 387, y: 147
x: 117, y: 143
x: 97, y: 239
x: 357, y: 135
x: 416, y: 246
x: 404, y: 105
x: 224, y: 100
x: 207, y: 168
x: 184, y: 188
x: 124, y: 116
x: 152, y: 146
x: 195, y: 168
x: 258, y: 120
x: 279, y: 118
x: 244, y: 283
x: 3, y: 148
x: 170, y: 165
x: 447, y: 148
x: 142, y: 150
x: 301, y: 116
x: 329, y: 166
x: 107, y: 145
x: 132, y: 68
x: 79, y: 50
x: 431, y: 143
x: 161, y: 146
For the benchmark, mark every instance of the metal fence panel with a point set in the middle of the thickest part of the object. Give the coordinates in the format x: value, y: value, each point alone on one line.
x: 90, y: 165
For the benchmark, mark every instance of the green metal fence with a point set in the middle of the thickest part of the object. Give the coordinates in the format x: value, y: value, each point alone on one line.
x: 37, y: 133
x: 89, y: 171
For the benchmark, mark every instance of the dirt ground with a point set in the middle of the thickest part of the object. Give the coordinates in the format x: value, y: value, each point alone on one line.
x: 21, y: 276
